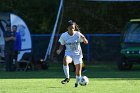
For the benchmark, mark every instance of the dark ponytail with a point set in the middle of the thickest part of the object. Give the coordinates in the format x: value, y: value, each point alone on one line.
x: 77, y: 27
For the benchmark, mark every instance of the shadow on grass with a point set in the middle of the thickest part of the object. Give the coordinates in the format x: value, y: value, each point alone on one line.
x: 93, y: 71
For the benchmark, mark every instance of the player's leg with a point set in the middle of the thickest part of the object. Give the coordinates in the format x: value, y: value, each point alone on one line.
x: 78, y: 73
x: 66, y: 61
x: 78, y: 65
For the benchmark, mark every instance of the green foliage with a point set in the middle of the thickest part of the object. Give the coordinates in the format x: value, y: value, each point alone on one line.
x: 38, y: 14
x: 100, y: 17
x: 92, y: 17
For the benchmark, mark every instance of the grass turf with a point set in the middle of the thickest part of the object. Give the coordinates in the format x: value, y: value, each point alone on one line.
x: 103, y: 79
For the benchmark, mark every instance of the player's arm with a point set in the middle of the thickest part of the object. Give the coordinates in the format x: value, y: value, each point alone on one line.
x: 60, y: 49
x: 61, y: 46
x: 84, y: 39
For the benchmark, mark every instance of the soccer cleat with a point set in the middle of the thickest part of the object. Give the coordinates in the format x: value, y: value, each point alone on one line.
x: 66, y: 80
x: 76, y: 84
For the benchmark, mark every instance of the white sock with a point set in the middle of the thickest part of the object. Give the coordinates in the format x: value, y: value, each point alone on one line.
x: 66, y: 71
x: 77, y: 79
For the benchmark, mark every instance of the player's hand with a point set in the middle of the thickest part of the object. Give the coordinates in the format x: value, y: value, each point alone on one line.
x: 58, y: 51
x: 84, y: 40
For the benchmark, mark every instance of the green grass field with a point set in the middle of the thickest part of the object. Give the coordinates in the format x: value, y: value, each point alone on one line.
x: 103, y: 79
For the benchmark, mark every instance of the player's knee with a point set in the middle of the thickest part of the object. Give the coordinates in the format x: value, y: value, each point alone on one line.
x: 65, y: 63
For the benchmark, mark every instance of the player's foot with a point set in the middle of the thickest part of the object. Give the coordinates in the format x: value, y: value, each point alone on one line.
x: 66, y: 80
x: 76, y: 84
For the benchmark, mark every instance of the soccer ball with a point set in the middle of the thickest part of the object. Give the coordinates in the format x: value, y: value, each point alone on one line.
x: 83, y: 81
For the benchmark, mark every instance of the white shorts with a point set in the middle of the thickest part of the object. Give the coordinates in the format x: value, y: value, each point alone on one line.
x: 77, y: 59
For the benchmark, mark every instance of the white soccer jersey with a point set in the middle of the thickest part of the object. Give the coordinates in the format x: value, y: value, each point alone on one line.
x: 72, y: 43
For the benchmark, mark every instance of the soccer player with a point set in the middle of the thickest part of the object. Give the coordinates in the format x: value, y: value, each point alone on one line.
x: 72, y: 39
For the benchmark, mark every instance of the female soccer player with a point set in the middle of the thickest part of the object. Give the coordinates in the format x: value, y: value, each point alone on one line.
x: 72, y: 39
